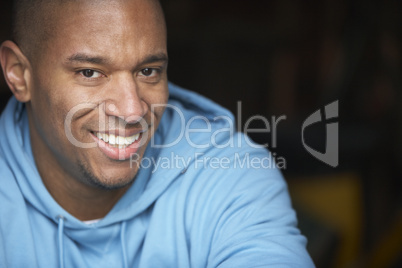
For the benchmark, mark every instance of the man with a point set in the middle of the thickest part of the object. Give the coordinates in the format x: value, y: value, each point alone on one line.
x: 100, y: 167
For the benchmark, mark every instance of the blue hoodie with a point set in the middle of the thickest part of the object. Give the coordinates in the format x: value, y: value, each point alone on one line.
x: 183, y: 210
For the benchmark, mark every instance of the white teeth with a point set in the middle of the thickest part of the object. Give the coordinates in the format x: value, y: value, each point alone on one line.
x: 120, y: 141
x: 103, y: 136
x: 127, y: 141
x: 112, y: 139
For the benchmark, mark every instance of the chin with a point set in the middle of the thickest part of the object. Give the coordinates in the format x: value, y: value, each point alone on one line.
x: 112, y: 184
x: 112, y: 181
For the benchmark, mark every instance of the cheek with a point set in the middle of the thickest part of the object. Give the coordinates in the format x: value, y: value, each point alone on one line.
x: 156, y: 101
x: 50, y: 107
x: 51, y: 122
x: 156, y: 109
x: 52, y: 111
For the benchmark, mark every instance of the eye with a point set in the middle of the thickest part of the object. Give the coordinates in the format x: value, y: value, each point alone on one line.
x: 88, y: 73
x: 148, y: 71
x: 151, y: 75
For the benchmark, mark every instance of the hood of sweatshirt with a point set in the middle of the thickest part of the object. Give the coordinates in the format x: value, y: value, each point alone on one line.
x: 150, y: 183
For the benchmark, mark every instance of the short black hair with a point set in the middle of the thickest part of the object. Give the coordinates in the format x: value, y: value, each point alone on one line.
x: 30, y: 23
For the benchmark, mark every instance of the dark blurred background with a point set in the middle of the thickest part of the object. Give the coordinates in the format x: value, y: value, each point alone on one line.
x: 291, y: 58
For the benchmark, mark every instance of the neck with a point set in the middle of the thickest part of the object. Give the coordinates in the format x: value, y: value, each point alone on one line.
x: 82, y: 201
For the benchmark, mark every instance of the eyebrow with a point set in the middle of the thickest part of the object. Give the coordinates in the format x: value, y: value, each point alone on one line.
x: 84, y: 58
x: 161, y: 57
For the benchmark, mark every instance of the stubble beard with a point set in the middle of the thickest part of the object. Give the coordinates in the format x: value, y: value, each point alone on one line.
x: 91, y: 179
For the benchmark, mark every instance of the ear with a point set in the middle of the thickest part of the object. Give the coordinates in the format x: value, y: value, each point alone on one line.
x: 16, y: 69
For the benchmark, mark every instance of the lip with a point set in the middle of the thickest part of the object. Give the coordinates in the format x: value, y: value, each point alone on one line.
x: 116, y: 153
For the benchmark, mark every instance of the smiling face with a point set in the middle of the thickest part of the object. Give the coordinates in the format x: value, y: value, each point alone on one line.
x: 92, y: 88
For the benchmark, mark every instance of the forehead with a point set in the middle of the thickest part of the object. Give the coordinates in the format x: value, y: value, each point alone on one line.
x: 114, y: 29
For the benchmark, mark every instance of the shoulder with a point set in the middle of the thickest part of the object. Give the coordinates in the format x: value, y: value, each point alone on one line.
x: 230, y: 195
x: 200, y: 136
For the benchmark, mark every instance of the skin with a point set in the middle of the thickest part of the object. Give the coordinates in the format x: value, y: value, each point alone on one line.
x: 111, y: 56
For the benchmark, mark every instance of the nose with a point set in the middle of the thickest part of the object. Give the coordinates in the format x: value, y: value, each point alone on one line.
x: 124, y: 100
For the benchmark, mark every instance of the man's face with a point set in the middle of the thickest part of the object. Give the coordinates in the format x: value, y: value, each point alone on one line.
x: 103, y: 68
